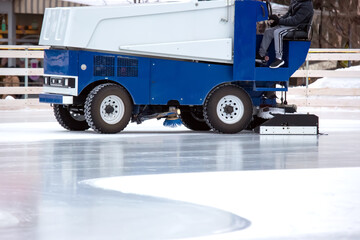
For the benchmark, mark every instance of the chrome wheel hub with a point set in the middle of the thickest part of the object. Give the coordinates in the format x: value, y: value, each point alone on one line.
x: 230, y: 109
x: 112, y: 109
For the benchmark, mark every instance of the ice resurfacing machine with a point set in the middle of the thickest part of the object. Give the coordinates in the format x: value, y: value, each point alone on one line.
x: 193, y: 61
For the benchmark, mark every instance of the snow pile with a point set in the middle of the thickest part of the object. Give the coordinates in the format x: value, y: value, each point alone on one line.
x: 332, y: 82
x: 9, y: 98
x: 7, y: 220
x: 321, y: 92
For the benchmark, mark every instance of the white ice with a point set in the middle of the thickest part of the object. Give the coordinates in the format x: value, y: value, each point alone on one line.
x: 319, y: 203
x: 280, y: 204
x: 291, y: 204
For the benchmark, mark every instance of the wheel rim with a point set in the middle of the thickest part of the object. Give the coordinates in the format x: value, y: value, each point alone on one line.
x: 230, y: 109
x: 77, y: 116
x: 112, y: 109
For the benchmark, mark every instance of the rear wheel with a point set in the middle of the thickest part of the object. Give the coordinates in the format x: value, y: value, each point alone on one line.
x: 108, y: 108
x: 70, y: 118
x: 228, y: 109
x: 193, y: 119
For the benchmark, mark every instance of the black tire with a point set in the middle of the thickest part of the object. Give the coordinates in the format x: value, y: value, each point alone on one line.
x: 193, y: 119
x: 228, y: 109
x: 108, y: 108
x: 255, y: 122
x: 68, y: 119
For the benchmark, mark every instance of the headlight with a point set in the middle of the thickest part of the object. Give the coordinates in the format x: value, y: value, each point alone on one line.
x: 59, y: 82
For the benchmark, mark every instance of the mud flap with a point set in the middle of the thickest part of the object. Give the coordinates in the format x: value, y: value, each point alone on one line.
x: 302, y: 124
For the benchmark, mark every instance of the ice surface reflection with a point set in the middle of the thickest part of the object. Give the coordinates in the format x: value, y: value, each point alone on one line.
x: 181, y: 153
x: 41, y: 166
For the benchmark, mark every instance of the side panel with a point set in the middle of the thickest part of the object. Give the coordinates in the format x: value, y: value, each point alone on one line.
x: 106, y: 28
x: 294, y: 55
x: 131, y: 72
x: 187, y: 82
x: 148, y: 80
x: 247, y: 13
x: 61, y: 62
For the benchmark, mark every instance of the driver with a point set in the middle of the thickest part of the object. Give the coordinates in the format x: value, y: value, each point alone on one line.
x: 299, y: 15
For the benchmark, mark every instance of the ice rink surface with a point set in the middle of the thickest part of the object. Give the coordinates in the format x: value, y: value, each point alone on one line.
x: 151, y: 182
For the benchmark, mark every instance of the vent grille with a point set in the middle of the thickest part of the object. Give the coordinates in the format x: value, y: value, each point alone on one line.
x: 104, y: 66
x: 127, y: 67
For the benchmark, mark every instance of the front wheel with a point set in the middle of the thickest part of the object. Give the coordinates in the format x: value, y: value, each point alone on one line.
x: 228, y: 109
x: 108, y: 108
x: 70, y: 119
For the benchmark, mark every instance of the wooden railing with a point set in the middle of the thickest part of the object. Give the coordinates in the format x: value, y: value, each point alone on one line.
x: 320, y: 54
x: 327, y: 97
x: 301, y: 96
x: 27, y: 53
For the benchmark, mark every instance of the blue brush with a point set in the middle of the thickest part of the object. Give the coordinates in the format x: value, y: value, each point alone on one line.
x: 172, y: 122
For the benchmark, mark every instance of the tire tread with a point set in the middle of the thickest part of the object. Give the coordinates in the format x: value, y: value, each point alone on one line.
x: 205, y: 110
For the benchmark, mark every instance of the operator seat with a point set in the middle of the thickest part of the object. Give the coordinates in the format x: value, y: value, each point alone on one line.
x: 302, y: 33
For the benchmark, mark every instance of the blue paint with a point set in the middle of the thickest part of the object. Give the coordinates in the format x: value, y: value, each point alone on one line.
x: 246, y: 44
x: 51, y: 98
x: 138, y: 87
x: 294, y: 56
x: 158, y: 81
x: 187, y: 82
x: 250, y: 13
x: 61, y: 62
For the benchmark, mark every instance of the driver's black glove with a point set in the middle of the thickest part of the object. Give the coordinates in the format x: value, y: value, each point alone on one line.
x: 275, y: 19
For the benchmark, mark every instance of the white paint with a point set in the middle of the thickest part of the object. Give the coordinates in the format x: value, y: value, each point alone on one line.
x: 21, y: 71
x: 67, y: 99
x: 220, y: 49
x: 109, y: 27
x: 283, y: 130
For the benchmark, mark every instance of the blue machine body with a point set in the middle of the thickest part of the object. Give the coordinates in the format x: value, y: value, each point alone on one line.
x: 156, y: 81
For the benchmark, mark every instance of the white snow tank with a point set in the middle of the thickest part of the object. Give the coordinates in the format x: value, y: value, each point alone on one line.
x: 198, y: 30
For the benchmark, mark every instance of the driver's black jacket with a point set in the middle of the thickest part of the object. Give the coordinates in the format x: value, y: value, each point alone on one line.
x: 300, y: 14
